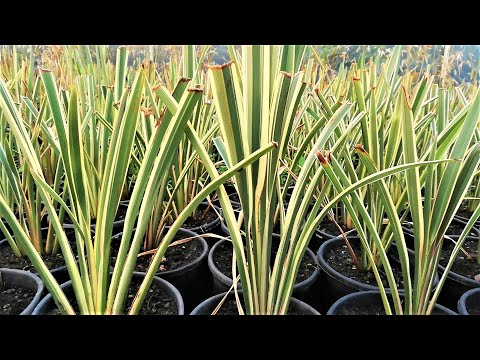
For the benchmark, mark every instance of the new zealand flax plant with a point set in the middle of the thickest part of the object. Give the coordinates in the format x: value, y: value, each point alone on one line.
x: 94, y: 292
x: 257, y: 101
x: 444, y: 186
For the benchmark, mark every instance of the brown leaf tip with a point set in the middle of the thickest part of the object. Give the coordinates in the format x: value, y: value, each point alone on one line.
x: 220, y: 67
x: 146, y: 111
x: 287, y: 74
x: 407, y: 98
x: 44, y: 70
x: 275, y: 144
x: 184, y: 80
x: 356, y: 78
x: 156, y: 87
x: 360, y: 148
x: 197, y: 88
x: 321, y: 158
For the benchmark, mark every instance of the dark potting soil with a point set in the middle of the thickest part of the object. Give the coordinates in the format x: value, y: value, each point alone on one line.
x: 157, y: 302
x: 175, y: 257
x: 229, y: 307
x: 14, y: 299
x: 200, y: 218
x: 462, y: 265
x: 10, y: 261
x: 224, y: 255
x: 339, y: 258
x: 364, y: 309
x: 372, y: 308
x: 329, y: 227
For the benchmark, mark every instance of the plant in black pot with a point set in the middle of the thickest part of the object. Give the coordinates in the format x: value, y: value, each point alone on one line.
x: 268, y: 289
x: 21, y: 194
x: 20, y: 292
x: 442, y: 199
x: 89, y: 267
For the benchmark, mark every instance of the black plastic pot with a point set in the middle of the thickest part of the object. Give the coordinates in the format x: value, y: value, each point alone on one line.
x: 467, y: 300
x: 222, y: 283
x: 236, y: 205
x: 373, y: 297
x: 323, y: 236
x: 454, y: 287
x: 223, y: 226
x: 27, y: 280
x: 117, y: 224
x: 61, y: 273
x: 335, y: 285
x: 193, y: 280
x: 207, y: 227
x: 409, y: 239
x: 207, y: 306
x: 47, y: 303
x: 219, y: 230
x: 465, y: 220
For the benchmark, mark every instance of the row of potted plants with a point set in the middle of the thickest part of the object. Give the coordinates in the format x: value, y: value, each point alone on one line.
x: 117, y: 181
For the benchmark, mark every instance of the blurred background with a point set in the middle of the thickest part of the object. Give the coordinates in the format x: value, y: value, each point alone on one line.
x: 456, y: 64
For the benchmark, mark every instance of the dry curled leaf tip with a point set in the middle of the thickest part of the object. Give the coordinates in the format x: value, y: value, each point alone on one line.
x: 321, y: 157
x: 360, y: 148
x: 220, y: 67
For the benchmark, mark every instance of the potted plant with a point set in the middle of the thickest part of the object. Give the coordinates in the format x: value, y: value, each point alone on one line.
x: 431, y: 220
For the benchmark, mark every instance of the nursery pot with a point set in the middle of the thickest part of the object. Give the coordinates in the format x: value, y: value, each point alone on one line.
x: 60, y: 273
x: 466, y: 219
x: 117, y: 224
x: 193, y: 279
x: 469, y: 303
x: 224, y: 227
x: 323, y: 235
x: 454, y: 287
x: 335, y: 285
x: 47, y: 303
x: 235, y: 204
x: 208, y: 226
x: 222, y: 283
x: 363, y: 300
x: 207, y: 306
x: 461, y: 223
x: 26, y: 280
